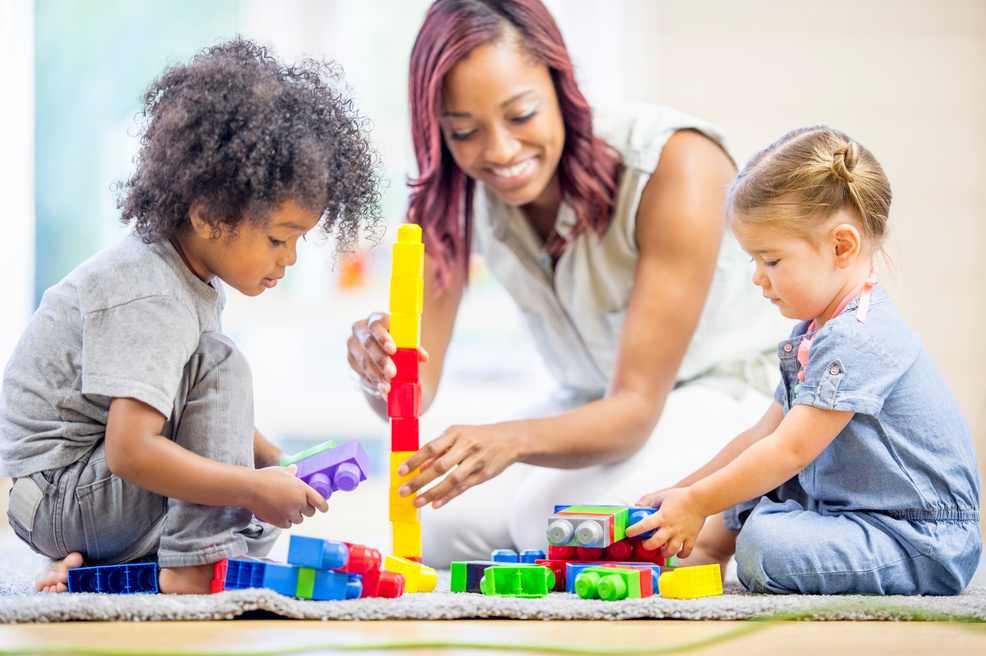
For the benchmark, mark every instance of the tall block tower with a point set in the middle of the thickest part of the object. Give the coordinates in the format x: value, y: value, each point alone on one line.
x: 404, y: 400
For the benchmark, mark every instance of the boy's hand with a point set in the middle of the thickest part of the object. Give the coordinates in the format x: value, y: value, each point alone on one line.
x: 282, y: 500
x: 677, y: 522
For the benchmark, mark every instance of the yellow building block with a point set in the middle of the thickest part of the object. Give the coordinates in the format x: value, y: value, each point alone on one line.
x: 691, y: 582
x: 407, y: 539
x: 396, y: 458
x: 402, y: 508
x: 408, y: 260
x: 417, y: 577
x: 409, y: 232
x: 405, y: 328
x: 407, y: 295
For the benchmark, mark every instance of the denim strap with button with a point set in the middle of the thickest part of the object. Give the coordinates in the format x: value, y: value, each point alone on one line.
x: 863, y: 292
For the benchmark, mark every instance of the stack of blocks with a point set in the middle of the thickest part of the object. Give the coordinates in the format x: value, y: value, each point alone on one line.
x: 404, y: 400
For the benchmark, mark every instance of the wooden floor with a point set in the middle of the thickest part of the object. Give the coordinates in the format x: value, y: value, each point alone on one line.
x: 638, y: 636
x: 659, y: 636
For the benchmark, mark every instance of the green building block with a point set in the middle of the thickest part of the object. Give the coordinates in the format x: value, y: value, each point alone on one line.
x: 307, y: 453
x: 517, y: 581
x: 306, y: 583
x: 613, y: 583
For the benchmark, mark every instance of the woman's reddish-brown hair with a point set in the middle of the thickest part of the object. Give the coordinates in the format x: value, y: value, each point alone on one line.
x: 442, y: 195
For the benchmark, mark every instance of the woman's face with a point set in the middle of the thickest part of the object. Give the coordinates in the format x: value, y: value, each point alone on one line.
x: 501, y: 122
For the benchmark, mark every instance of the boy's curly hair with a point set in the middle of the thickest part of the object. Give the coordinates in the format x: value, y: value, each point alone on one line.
x: 236, y: 134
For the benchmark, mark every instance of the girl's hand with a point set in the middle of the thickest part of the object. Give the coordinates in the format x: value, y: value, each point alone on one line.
x: 471, y: 455
x: 282, y: 500
x: 654, y: 499
x: 370, y: 347
x: 677, y: 522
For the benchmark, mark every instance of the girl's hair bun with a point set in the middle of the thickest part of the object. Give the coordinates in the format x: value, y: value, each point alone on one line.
x: 844, y: 162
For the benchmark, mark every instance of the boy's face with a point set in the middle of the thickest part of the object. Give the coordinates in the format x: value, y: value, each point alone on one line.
x: 256, y: 257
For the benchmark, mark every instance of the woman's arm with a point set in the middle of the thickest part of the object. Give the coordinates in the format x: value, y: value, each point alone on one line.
x: 371, y: 345
x: 138, y: 453
x: 679, y: 231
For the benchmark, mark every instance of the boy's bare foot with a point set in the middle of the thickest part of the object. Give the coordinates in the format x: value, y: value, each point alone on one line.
x: 715, y: 545
x: 53, y: 577
x: 186, y: 580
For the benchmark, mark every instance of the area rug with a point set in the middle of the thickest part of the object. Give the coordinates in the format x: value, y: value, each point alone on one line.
x: 20, y: 603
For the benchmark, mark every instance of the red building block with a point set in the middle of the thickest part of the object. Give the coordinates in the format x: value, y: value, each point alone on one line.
x: 404, y: 434
x: 404, y: 400
x: 218, y: 577
x: 406, y: 360
x: 381, y: 583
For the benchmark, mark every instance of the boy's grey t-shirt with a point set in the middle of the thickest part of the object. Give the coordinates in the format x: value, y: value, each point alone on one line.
x: 123, y: 324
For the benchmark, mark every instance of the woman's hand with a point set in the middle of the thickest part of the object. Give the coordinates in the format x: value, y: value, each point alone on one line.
x: 677, y: 522
x: 469, y: 454
x: 370, y: 347
x: 281, y: 499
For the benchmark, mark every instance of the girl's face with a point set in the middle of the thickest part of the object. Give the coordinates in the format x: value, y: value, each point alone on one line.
x: 255, y: 258
x: 800, y: 278
x: 501, y: 122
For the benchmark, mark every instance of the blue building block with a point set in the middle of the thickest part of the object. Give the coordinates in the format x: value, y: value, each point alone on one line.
x: 326, y: 585
x: 636, y: 514
x: 281, y: 578
x: 243, y: 574
x: 504, y: 556
x: 317, y: 553
x: 529, y: 556
x: 572, y: 570
x: 114, y: 579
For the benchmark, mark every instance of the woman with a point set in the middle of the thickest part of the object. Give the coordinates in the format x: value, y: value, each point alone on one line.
x: 611, y: 244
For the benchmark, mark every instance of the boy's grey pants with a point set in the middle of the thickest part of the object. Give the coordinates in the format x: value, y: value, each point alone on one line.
x: 85, y: 508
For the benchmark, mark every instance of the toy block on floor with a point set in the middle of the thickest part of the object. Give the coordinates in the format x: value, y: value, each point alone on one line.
x: 114, y: 579
x: 613, y: 582
x: 362, y: 559
x: 517, y: 581
x: 382, y: 583
x: 404, y: 400
x: 405, y: 328
x: 691, y: 582
x: 417, y: 577
x: 317, y: 553
x: 243, y: 574
x: 327, y: 585
x: 218, y: 577
x: 341, y: 467
x: 281, y: 578
x: 505, y: 556
x: 406, y: 361
x: 407, y: 295
x: 466, y: 575
x: 404, y: 434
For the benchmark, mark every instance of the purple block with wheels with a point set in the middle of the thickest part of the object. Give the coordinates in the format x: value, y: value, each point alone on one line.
x: 340, y: 468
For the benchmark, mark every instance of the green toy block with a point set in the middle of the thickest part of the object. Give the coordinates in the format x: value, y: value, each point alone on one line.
x: 517, y: 581
x: 307, y: 453
x: 614, y: 583
x: 306, y: 583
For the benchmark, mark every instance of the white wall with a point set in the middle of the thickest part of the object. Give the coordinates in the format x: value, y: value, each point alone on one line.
x: 16, y: 170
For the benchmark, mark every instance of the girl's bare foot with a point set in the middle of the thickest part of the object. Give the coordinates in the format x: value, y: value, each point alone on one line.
x: 186, y: 580
x: 53, y: 577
